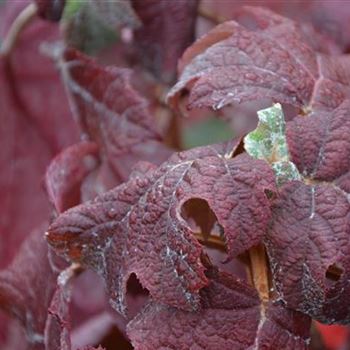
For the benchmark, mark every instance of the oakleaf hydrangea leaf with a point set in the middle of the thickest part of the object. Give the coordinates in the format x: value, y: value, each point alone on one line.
x: 25, y: 144
x: 112, y: 114
x: 268, y: 141
x: 308, y: 245
x: 67, y: 171
x: 27, y: 286
x: 168, y: 27
x: 234, y: 64
x: 138, y: 228
x: 320, y: 144
x: 225, y: 67
x: 230, y: 318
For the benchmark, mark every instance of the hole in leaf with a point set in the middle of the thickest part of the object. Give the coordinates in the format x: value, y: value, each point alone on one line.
x: 113, y: 337
x: 201, y: 219
x: 203, y: 222
x: 269, y: 194
x: 333, y: 273
x: 136, y: 296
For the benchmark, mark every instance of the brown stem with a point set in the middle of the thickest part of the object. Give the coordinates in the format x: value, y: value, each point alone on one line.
x: 216, y: 19
x: 211, y: 241
x: 66, y: 275
x: 214, y: 241
x: 22, y: 20
x: 259, y: 272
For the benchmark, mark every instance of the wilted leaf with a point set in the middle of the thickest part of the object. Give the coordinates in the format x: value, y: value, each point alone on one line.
x: 230, y: 318
x: 308, y: 245
x: 137, y: 227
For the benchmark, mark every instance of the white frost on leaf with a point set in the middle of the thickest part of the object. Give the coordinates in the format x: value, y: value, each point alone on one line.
x: 268, y: 142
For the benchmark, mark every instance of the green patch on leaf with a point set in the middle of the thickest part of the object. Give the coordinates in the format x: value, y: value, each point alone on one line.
x: 285, y: 171
x: 93, y: 25
x: 268, y: 142
x: 71, y: 8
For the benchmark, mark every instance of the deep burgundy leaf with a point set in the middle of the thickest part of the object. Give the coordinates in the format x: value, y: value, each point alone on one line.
x: 58, y: 325
x: 66, y: 173
x: 283, y: 65
x: 112, y: 113
x: 12, y: 334
x: 248, y: 65
x: 50, y: 9
x: 320, y: 145
x: 33, y: 109
x: 168, y: 28
x: 283, y: 329
x: 278, y: 27
x: 309, y: 235
x: 330, y: 18
x: 343, y: 182
x: 138, y: 228
x: 333, y: 85
x: 231, y: 318
x: 27, y: 286
x: 62, y: 331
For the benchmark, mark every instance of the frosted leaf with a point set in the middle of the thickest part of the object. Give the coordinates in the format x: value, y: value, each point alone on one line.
x: 268, y: 142
x: 147, y: 235
x: 285, y: 171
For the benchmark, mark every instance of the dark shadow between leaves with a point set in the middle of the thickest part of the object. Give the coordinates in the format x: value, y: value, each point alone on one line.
x: 136, y: 296
x: 333, y: 274
x: 210, y: 234
x: 115, y: 340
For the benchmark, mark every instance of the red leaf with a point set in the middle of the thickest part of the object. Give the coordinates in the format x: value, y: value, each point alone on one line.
x: 230, y: 318
x: 27, y: 286
x: 282, y: 65
x: 330, y: 18
x: 315, y: 143
x: 66, y: 173
x: 138, y: 228
x: 248, y: 65
x: 307, y: 238
x: 168, y: 28
x: 112, y: 113
x: 33, y: 108
x: 58, y: 325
